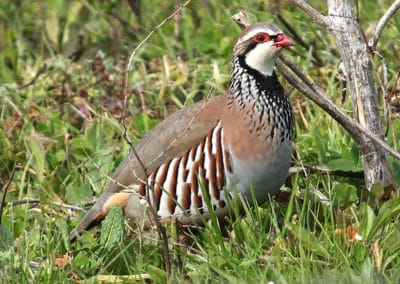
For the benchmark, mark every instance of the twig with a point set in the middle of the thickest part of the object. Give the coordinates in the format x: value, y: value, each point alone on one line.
x: 383, y: 84
x: 292, y: 31
x: 160, y: 229
x: 12, y: 104
x: 187, y: 128
x: 134, y: 51
x: 389, y: 98
x: 33, y: 81
x: 354, y: 128
x: 156, y: 28
x: 297, y: 38
x: 5, y: 190
x: 373, y: 41
x: 122, y: 278
x: 178, y: 244
x: 326, y: 104
x: 37, y: 201
x: 24, y: 201
x: 308, y: 169
x: 273, y: 259
x: 109, y: 178
x: 313, y: 13
x: 128, y: 69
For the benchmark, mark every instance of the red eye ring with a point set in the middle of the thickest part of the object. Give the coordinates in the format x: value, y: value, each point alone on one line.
x: 261, y: 37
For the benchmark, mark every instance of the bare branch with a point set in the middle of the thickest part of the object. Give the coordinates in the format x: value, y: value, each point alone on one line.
x: 373, y: 41
x: 309, y: 169
x: 313, y: 93
x: 35, y: 201
x: 297, y: 38
x: 315, y: 15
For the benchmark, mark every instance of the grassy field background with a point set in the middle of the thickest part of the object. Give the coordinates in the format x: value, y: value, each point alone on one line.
x: 61, y: 95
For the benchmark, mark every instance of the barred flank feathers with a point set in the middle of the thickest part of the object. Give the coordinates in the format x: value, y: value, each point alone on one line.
x: 179, y: 180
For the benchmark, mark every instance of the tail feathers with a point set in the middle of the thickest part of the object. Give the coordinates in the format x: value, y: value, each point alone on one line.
x: 99, y: 211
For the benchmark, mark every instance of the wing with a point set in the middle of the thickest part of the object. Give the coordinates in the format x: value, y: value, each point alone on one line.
x: 169, y: 139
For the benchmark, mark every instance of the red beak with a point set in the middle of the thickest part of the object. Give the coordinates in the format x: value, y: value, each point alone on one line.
x: 282, y: 40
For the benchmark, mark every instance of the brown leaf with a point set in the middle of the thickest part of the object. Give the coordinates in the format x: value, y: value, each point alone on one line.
x: 15, y: 122
x: 34, y: 114
x: 63, y: 260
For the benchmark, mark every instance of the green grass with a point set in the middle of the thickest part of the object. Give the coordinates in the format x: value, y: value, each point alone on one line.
x: 61, y: 137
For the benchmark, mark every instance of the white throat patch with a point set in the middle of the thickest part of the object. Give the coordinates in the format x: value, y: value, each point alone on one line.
x: 262, y: 58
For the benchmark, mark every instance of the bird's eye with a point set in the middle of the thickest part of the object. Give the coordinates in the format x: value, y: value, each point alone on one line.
x: 261, y: 37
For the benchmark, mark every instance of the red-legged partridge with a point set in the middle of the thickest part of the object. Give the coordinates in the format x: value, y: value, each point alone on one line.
x: 233, y: 143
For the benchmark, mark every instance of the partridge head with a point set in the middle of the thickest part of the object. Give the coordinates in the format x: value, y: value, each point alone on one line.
x: 238, y: 143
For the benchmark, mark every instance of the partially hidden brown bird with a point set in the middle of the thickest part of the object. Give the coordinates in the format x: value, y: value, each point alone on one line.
x: 237, y: 143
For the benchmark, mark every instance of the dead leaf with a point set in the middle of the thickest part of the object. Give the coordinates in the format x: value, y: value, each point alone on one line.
x: 63, y: 260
